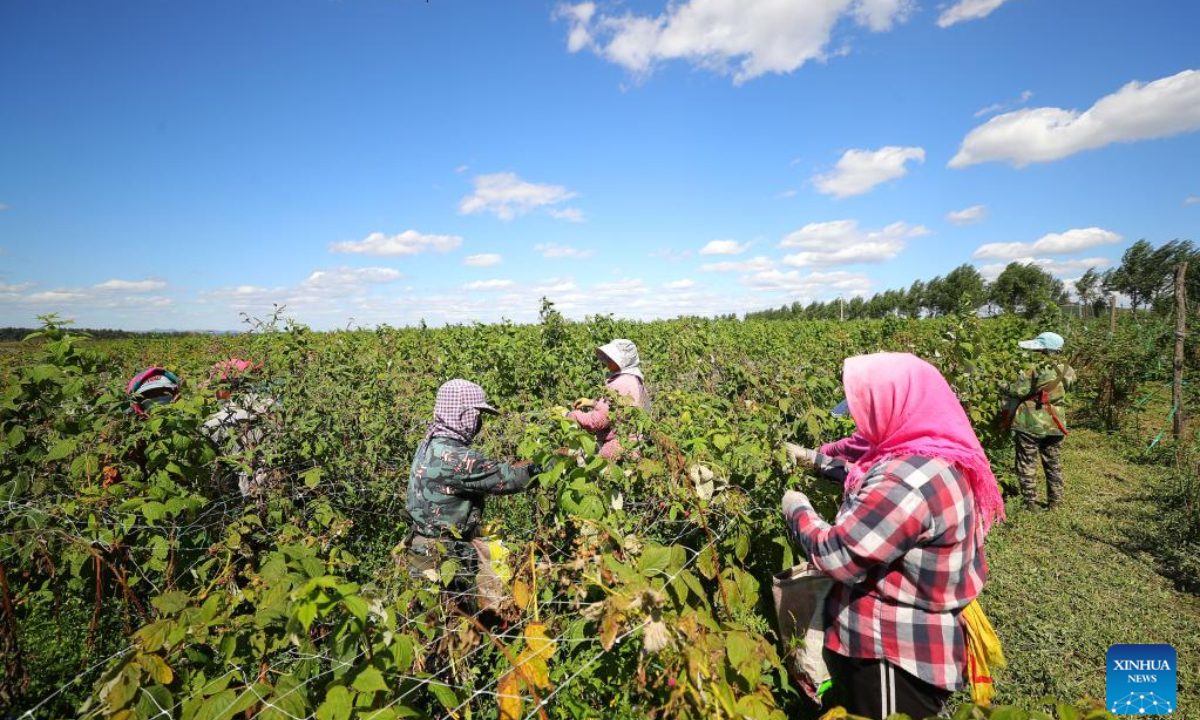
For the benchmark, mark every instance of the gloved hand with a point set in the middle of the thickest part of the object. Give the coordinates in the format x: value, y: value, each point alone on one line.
x: 584, y: 404
x: 534, y: 469
x: 793, y: 500
x: 801, y: 455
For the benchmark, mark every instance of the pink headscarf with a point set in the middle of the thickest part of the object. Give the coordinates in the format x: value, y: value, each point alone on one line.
x: 903, y: 406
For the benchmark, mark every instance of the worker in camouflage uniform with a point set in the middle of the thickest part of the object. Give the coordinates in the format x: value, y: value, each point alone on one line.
x: 1036, y: 411
x: 449, y: 481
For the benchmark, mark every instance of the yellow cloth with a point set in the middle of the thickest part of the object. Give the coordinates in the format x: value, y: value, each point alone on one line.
x: 983, y: 653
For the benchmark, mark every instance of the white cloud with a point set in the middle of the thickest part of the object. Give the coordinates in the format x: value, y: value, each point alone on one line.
x: 860, y: 170
x: 4, y: 206
x: 724, y: 247
x: 1057, y: 268
x: 506, y: 196
x: 8, y: 288
x: 966, y: 216
x: 840, y: 242
x: 1191, y: 200
x: 1051, y: 244
x: 569, y: 214
x: 489, y: 285
x: 968, y: 10
x: 348, y: 281
x: 679, y: 284
x: 461, y: 169
x: 997, y: 107
x: 755, y: 264
x: 745, y: 38
x: 809, y: 285
x: 132, y: 286
x: 553, y: 250
x: 1138, y: 111
x: 482, y: 260
x: 784, y: 195
x: 409, y: 242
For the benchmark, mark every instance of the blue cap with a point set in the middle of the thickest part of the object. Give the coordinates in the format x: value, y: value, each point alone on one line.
x: 842, y: 409
x: 1046, y: 341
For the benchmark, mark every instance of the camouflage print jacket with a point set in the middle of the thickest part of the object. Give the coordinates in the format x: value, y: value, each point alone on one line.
x: 448, y: 483
x: 1025, y: 404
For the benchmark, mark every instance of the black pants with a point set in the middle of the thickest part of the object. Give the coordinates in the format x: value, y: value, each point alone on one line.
x: 877, y: 689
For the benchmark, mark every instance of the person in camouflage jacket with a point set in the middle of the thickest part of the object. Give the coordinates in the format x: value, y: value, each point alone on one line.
x: 449, y: 481
x: 1037, y: 412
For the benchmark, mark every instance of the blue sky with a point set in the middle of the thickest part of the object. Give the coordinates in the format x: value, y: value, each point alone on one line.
x: 175, y: 164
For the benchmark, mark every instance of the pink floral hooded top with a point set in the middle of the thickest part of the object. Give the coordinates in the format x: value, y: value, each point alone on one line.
x: 627, y: 382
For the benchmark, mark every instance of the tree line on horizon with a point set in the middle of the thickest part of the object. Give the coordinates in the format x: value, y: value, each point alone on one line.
x: 1144, y: 278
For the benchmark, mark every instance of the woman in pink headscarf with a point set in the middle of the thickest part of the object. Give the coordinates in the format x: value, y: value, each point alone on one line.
x: 906, y: 548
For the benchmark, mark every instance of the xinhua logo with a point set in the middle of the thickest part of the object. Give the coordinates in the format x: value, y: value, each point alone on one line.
x: 1141, y: 679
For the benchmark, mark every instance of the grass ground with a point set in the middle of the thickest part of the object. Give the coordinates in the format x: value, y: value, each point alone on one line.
x: 1065, y: 585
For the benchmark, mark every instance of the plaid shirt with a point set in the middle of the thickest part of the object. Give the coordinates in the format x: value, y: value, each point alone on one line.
x: 907, y: 554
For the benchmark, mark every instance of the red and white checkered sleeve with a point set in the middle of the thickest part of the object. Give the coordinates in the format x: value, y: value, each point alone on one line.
x: 886, y: 518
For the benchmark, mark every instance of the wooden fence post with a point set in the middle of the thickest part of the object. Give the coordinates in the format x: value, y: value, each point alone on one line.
x: 1180, y: 331
x: 1112, y: 313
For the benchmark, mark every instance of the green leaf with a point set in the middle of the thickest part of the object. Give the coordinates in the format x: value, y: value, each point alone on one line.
x: 445, y: 695
x: 61, y: 450
x: 655, y: 560
x: 153, y: 511
x: 306, y: 612
x: 740, y: 648
x: 357, y: 607
x: 369, y: 680
x: 171, y: 603
x: 706, y: 563
x: 337, y: 705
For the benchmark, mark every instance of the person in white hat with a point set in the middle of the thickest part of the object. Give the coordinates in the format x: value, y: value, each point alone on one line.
x: 1036, y: 410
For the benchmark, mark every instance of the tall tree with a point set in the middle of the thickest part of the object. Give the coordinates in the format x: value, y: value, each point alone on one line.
x: 1027, y: 290
x: 1088, y: 289
x: 962, y: 288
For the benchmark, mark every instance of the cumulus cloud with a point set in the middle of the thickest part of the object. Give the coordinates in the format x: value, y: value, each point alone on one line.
x: 1063, y: 243
x: 110, y: 294
x: 1057, y: 268
x: 1138, y: 111
x: 755, y: 264
x: 742, y: 38
x: 724, y: 247
x: 409, y: 242
x: 489, y: 285
x: 858, y: 171
x: 506, y: 196
x: 1191, y: 200
x: 968, y: 10
x: 795, y: 283
x: 348, y: 281
x: 553, y: 250
x: 969, y: 215
x: 841, y: 242
x: 482, y: 260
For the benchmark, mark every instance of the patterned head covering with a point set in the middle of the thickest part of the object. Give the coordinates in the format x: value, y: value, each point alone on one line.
x: 153, y: 386
x: 456, y: 412
x: 625, y: 354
